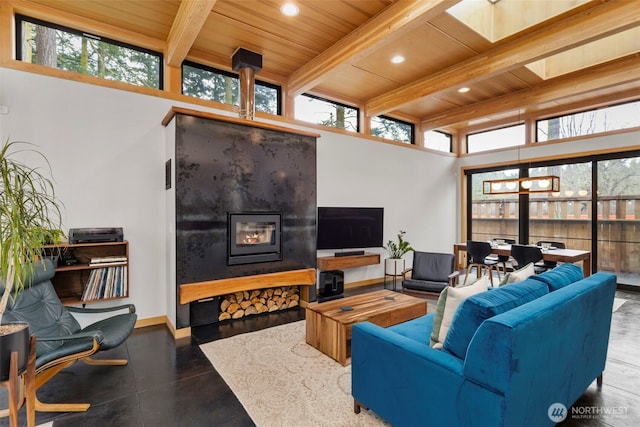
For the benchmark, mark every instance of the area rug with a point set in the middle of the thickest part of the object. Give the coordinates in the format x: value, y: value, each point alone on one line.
x: 282, y: 381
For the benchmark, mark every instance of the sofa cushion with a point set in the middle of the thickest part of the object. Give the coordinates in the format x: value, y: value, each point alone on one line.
x: 446, y: 307
x: 477, y: 308
x: 40, y: 306
x: 424, y: 285
x: 518, y: 275
x: 560, y: 276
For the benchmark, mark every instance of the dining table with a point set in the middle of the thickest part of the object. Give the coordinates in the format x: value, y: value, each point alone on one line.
x: 551, y: 254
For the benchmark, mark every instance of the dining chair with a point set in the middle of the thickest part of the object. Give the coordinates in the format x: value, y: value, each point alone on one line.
x: 477, y: 253
x: 558, y: 245
x: 525, y: 254
x: 504, y: 260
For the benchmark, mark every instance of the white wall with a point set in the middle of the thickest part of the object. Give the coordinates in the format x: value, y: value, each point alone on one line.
x: 416, y: 189
x: 107, y: 151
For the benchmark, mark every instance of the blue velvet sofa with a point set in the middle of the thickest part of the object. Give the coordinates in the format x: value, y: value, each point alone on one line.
x: 502, y: 363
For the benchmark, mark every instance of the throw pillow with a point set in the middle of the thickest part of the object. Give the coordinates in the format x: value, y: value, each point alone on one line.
x: 518, y: 275
x: 439, y: 312
x: 446, y: 307
x: 477, y: 308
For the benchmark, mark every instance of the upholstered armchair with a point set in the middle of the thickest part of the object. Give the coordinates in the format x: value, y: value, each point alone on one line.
x: 61, y: 341
x: 430, y: 274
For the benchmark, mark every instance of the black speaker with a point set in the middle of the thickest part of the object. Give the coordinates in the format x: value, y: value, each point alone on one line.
x: 331, y: 285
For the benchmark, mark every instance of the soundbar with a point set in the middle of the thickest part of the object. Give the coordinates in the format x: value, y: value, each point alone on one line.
x: 349, y: 253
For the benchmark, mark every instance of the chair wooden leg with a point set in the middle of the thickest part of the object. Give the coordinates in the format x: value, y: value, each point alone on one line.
x: 30, y: 383
x: 479, y: 271
x: 13, y: 390
x: 60, y: 407
x: 466, y: 275
x: 110, y: 362
x: 56, y: 407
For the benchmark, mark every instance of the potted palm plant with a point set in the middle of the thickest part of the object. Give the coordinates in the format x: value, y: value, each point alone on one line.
x: 394, y: 265
x: 29, y: 210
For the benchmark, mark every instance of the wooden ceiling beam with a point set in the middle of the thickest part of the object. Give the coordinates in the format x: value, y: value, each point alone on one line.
x: 606, y: 19
x: 610, y: 74
x: 362, y: 39
x: 186, y: 26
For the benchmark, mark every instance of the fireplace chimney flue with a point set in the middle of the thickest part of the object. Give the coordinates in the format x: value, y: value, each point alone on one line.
x: 247, y: 63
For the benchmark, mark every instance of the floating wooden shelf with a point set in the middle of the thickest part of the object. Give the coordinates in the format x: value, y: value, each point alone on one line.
x: 341, y: 262
x: 70, y: 280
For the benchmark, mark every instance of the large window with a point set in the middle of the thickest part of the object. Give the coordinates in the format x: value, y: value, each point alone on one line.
x: 59, y: 47
x: 589, y: 122
x: 324, y: 112
x: 394, y: 129
x: 498, y: 138
x: 211, y: 84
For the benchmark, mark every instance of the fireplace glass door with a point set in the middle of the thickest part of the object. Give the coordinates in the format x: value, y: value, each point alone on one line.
x: 254, y: 237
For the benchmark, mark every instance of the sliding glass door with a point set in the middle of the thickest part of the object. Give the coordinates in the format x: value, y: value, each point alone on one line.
x: 564, y: 216
x: 597, y: 209
x: 493, y: 216
x: 618, y: 210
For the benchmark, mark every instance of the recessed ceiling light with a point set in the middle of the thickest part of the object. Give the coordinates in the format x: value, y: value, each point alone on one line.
x: 464, y: 89
x: 289, y: 9
x: 398, y: 59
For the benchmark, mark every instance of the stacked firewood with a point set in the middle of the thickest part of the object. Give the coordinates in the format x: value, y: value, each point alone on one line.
x: 246, y: 303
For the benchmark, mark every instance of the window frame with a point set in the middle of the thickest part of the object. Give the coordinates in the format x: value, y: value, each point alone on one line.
x: 559, y: 116
x: 412, y: 127
x: 20, y: 18
x: 341, y: 104
x: 523, y: 225
x: 515, y: 146
x: 236, y: 76
x: 447, y: 134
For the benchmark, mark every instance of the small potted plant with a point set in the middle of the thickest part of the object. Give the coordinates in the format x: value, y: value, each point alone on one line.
x: 394, y: 265
x: 29, y: 211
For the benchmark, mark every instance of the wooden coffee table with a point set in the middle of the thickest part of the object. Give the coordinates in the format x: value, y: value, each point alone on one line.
x: 329, y: 328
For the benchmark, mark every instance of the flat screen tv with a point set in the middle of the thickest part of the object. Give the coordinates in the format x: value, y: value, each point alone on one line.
x: 350, y: 227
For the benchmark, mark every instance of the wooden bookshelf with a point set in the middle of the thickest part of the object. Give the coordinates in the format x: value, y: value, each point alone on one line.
x: 70, y: 280
x: 339, y: 263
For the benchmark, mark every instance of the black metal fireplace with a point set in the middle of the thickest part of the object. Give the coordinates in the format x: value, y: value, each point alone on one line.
x: 254, y: 237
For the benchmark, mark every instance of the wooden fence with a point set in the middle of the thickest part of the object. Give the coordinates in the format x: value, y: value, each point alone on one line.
x: 569, y: 220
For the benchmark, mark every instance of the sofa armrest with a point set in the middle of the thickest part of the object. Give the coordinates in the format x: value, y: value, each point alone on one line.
x: 401, y: 379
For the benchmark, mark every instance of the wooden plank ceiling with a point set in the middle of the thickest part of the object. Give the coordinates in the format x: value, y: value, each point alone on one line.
x: 515, y: 56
